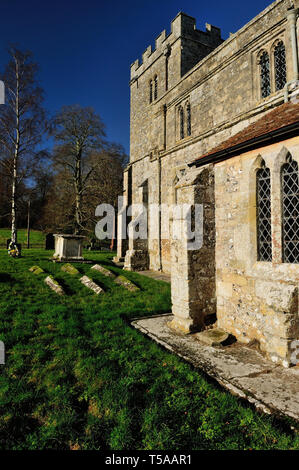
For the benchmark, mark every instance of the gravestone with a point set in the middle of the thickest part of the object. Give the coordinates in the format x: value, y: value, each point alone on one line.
x: 87, y: 282
x: 126, y: 283
x: 50, y: 241
x: 54, y: 285
x: 36, y: 270
x: 70, y: 269
x: 102, y: 270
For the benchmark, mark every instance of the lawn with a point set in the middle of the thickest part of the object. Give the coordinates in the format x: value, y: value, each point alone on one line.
x: 77, y: 376
x: 36, y: 237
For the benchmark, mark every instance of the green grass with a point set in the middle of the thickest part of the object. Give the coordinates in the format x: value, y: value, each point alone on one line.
x: 36, y: 237
x: 78, y: 376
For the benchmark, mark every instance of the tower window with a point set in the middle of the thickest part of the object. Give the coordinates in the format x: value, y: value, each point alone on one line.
x: 264, y: 231
x: 181, y: 114
x: 188, y: 119
x: 280, y: 66
x: 156, y: 87
x: 290, y: 211
x: 150, y: 91
x: 265, y: 74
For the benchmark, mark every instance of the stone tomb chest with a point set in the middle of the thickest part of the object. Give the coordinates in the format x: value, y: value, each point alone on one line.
x: 68, y: 247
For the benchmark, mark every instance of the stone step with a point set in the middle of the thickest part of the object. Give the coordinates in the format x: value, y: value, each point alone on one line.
x: 213, y: 337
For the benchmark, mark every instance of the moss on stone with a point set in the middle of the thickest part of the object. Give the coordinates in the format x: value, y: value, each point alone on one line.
x: 69, y: 268
x: 126, y: 283
x: 36, y: 270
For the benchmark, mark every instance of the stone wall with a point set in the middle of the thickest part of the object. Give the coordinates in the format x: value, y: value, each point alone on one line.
x: 255, y: 300
x: 222, y: 88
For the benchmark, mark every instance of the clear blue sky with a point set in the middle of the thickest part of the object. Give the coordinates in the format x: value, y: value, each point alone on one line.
x: 85, y: 47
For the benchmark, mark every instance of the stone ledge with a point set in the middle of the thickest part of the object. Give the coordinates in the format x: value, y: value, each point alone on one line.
x: 241, y: 370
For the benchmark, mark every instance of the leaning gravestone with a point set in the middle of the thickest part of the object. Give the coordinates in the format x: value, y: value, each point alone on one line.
x: 36, y: 270
x: 87, y: 282
x: 70, y: 269
x: 126, y: 283
x: 102, y: 270
x: 53, y: 284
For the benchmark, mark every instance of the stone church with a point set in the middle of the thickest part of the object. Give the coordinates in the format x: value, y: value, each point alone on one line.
x: 216, y: 122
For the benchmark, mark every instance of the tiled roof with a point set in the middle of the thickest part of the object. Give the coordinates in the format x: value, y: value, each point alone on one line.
x: 280, y: 117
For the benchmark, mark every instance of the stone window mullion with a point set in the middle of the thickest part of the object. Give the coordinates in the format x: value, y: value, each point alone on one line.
x: 276, y: 216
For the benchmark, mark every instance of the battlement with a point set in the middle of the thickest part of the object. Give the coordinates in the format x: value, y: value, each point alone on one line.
x: 183, y: 26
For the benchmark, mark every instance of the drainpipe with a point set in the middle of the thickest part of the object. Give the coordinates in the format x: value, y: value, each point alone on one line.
x: 292, y: 20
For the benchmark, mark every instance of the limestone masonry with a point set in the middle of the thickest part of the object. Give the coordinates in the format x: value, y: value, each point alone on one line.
x: 189, y: 97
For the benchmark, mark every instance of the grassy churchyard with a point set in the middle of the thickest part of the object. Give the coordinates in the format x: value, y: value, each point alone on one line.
x: 77, y: 376
x: 36, y: 237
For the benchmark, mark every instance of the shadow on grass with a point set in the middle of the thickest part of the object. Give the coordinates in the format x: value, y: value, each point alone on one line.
x: 67, y: 289
x: 4, y: 277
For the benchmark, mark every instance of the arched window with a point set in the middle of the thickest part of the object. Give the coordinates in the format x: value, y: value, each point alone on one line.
x: 280, y: 66
x: 188, y: 119
x: 151, y: 91
x: 290, y: 211
x: 265, y: 74
x: 263, y: 205
x: 156, y: 87
x: 181, y: 114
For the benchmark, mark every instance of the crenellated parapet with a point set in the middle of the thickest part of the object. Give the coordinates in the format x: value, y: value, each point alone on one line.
x: 183, y: 26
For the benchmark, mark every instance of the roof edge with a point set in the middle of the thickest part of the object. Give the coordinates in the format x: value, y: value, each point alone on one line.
x: 291, y: 130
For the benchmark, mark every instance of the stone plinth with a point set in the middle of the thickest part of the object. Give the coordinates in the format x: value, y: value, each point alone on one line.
x: 68, y: 247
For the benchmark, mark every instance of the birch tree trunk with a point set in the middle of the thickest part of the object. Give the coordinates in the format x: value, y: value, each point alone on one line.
x: 22, y: 122
x: 14, y: 232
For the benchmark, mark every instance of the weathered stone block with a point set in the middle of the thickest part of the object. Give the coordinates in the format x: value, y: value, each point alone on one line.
x: 278, y: 295
x: 213, y: 337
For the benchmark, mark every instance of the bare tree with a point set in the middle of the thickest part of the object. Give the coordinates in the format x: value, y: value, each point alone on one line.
x: 78, y: 132
x: 22, y: 121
